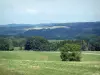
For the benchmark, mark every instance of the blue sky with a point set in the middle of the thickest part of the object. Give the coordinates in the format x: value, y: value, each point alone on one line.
x: 48, y: 11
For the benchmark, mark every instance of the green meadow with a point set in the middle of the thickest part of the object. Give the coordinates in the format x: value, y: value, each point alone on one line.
x: 47, y: 63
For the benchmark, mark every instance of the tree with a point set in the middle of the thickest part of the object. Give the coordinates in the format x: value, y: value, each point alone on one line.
x: 84, y: 46
x: 6, y: 44
x: 11, y: 47
x: 53, y: 46
x: 36, y: 43
x: 70, y: 52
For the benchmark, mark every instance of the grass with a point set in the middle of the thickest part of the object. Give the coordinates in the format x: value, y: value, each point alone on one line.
x: 46, y: 63
x: 97, y: 52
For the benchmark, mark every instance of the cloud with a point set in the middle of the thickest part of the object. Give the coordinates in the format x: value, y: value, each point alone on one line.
x: 31, y: 11
x: 24, y: 11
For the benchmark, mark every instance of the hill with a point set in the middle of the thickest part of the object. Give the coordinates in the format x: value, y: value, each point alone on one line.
x: 53, y: 30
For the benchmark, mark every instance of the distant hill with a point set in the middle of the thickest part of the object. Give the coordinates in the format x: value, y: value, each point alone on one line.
x: 53, y: 30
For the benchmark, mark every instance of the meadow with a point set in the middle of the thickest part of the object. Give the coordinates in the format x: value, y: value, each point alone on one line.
x: 47, y: 63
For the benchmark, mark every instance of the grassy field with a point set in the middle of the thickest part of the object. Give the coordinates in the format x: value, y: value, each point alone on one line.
x: 47, y: 63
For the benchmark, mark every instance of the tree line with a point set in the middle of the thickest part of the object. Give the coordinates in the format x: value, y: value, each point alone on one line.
x: 37, y: 43
x: 70, y: 49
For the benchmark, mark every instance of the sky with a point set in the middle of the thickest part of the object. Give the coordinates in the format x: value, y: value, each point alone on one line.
x: 48, y: 11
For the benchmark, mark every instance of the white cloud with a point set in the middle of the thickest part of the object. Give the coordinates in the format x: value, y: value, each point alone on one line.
x: 31, y: 11
x: 28, y: 11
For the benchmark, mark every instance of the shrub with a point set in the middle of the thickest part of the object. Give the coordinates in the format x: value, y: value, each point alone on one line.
x: 70, y: 52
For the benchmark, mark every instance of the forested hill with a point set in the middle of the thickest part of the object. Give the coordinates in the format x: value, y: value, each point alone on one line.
x: 53, y: 30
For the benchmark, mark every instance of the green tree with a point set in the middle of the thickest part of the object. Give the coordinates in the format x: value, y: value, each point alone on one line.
x: 36, y: 43
x: 70, y: 52
x: 84, y: 46
x: 6, y: 44
x: 11, y: 47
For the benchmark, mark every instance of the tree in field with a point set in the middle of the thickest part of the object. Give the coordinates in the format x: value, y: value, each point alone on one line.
x: 70, y: 52
x: 37, y: 43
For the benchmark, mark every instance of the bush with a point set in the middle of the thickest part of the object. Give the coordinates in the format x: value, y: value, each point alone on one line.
x: 70, y: 52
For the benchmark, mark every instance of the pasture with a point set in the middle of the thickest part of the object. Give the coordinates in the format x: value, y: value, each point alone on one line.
x: 47, y: 63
